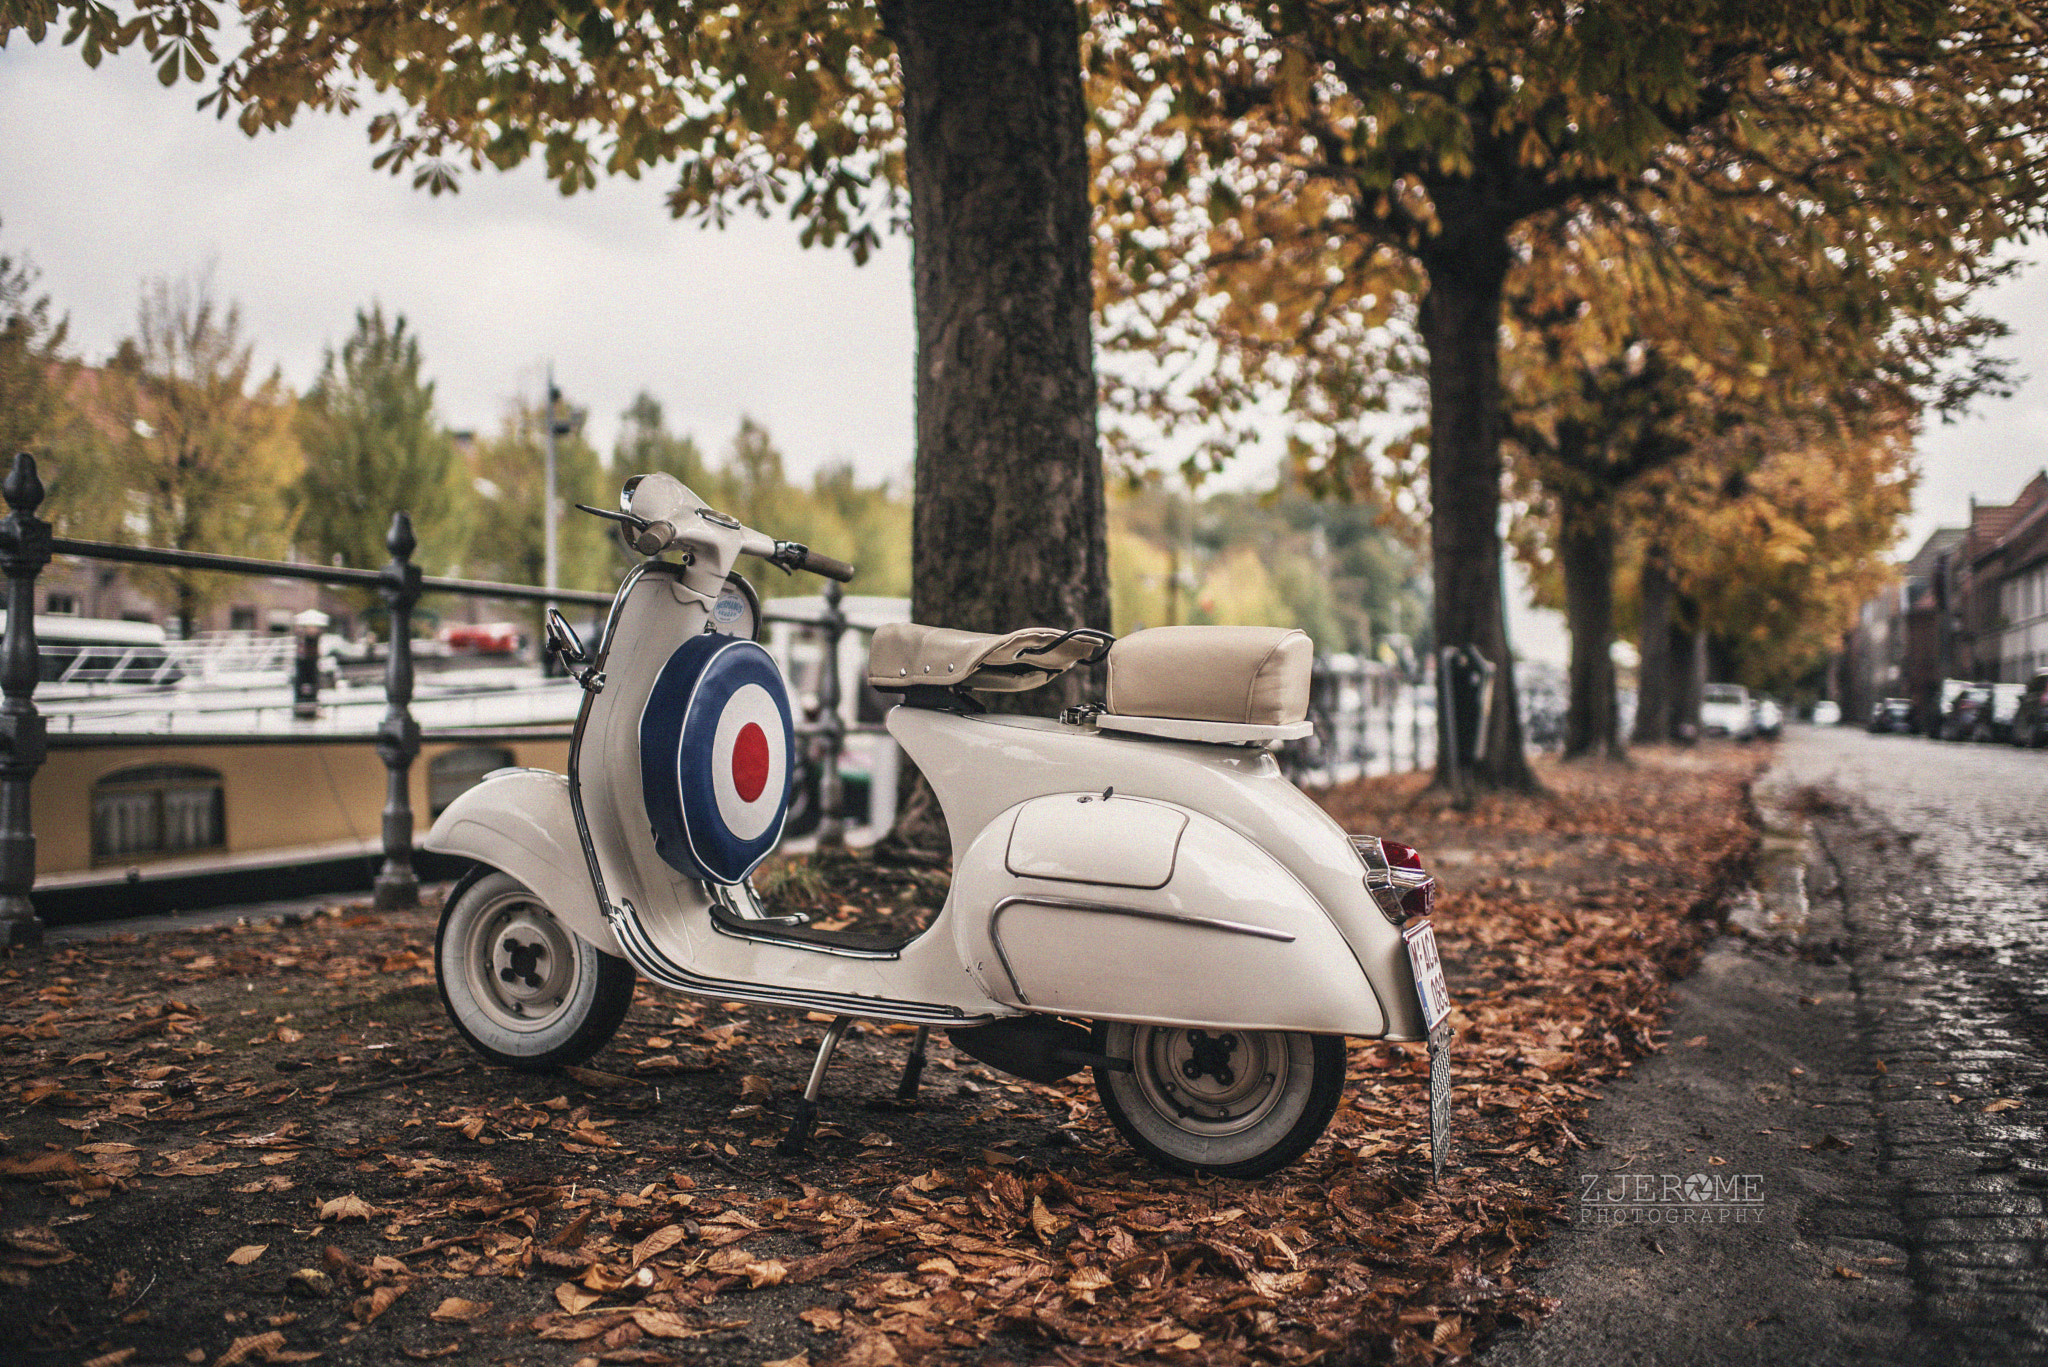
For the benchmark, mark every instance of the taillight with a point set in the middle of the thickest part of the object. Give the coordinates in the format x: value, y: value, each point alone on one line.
x: 1394, y: 876
x: 1401, y: 856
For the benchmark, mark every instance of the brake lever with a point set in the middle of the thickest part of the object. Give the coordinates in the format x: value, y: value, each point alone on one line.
x: 638, y: 524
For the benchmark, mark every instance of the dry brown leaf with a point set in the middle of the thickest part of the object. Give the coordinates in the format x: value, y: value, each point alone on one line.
x: 802, y: 1359
x: 755, y: 1088
x: 659, y: 1242
x: 113, y: 1359
x: 600, y: 1081
x: 822, y: 1319
x: 246, y: 1254
x: 367, y: 1308
x: 456, y: 1310
x: 446, y: 1350
x: 255, y: 1345
x: 869, y: 1350
x: 2002, y: 1104
x: 1847, y: 1273
x: 574, y: 1298
x: 663, y: 1324
x: 349, y: 1207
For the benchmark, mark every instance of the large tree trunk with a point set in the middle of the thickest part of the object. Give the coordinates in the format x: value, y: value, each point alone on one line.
x: 1460, y: 319
x: 1688, y: 671
x: 1008, y: 520
x: 1655, y: 686
x: 1586, y: 555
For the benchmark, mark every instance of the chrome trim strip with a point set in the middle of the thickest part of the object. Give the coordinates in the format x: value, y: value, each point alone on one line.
x: 667, y: 973
x: 995, y: 917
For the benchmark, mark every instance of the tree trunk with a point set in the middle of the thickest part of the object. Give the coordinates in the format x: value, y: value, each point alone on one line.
x: 1008, y: 518
x: 1655, y: 685
x: 1586, y: 555
x: 1688, y: 672
x: 1460, y: 319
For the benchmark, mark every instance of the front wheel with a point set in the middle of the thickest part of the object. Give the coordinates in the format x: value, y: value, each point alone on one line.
x: 519, y: 985
x: 1234, y: 1103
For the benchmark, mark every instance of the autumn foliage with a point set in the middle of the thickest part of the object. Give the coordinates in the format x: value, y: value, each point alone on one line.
x: 264, y: 1140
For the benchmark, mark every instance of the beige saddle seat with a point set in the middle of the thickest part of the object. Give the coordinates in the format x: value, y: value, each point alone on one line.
x: 906, y: 655
x: 1224, y: 685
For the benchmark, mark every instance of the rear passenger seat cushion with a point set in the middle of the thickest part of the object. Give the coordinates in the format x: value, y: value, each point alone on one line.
x: 1248, y: 676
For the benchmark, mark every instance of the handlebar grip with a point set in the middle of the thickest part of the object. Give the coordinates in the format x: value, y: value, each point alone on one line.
x: 827, y: 566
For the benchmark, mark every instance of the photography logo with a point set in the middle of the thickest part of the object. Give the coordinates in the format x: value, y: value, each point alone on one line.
x: 1671, y: 1198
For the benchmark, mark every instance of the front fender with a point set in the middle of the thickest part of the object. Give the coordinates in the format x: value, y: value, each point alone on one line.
x: 520, y: 821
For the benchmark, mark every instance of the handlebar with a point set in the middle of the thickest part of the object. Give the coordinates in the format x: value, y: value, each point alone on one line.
x: 652, y: 538
x: 804, y: 558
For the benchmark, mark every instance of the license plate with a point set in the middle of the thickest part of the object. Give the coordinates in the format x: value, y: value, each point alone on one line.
x: 1429, y: 973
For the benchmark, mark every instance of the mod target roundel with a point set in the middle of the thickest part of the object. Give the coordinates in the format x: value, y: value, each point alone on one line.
x: 716, y: 754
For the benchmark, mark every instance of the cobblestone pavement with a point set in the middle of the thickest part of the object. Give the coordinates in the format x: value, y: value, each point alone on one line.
x: 1871, y: 1050
x: 1935, y: 857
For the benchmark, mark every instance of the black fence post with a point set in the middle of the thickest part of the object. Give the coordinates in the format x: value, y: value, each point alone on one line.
x: 24, y: 550
x: 831, y: 792
x: 398, y: 739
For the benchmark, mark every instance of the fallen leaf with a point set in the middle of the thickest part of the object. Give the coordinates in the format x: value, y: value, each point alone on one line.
x: 349, y: 1207
x: 246, y: 1254
x: 600, y: 1081
x: 660, y: 1241
x: 446, y: 1350
x: 802, y: 1359
x: 574, y: 1298
x: 822, y: 1319
x: 2002, y: 1104
x: 1847, y: 1273
x: 870, y: 1350
x: 456, y: 1310
x: 113, y: 1359
x: 256, y: 1345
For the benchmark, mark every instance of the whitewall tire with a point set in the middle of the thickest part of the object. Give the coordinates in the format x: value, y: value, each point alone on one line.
x: 519, y: 985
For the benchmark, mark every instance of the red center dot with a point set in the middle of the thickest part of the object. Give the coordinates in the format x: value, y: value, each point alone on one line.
x: 750, y: 761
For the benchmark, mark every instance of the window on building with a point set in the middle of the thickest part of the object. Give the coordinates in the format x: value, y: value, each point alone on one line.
x: 61, y: 604
x: 455, y: 772
x: 241, y: 618
x: 157, y: 809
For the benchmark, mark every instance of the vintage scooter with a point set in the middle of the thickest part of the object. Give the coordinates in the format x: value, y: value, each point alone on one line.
x: 1136, y: 889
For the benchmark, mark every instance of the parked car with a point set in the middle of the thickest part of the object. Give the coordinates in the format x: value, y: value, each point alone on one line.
x: 1965, y: 709
x: 1891, y: 715
x: 1827, y: 712
x: 1724, y: 711
x: 1994, y: 720
x: 2030, y: 718
x: 1770, y: 718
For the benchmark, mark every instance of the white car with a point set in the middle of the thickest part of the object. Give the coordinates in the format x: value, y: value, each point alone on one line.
x: 1827, y: 712
x: 1724, y: 711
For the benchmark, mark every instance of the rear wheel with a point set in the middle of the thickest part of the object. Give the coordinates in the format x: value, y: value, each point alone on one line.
x: 1234, y: 1103
x: 519, y: 985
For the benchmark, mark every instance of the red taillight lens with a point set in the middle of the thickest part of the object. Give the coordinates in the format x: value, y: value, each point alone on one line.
x: 1401, y: 856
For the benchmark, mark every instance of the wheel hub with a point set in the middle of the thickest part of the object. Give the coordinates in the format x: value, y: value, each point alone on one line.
x: 1211, y: 1084
x: 525, y: 962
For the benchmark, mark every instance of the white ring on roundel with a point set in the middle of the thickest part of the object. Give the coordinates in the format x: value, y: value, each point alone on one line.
x: 749, y: 704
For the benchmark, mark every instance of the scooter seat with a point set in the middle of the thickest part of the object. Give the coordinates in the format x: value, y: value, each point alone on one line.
x: 907, y: 655
x: 1247, y: 678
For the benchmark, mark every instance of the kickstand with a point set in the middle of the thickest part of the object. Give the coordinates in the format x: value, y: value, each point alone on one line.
x: 913, y: 1067
x: 799, y: 1134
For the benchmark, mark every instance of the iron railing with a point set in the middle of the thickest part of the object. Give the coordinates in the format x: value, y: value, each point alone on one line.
x: 26, y: 546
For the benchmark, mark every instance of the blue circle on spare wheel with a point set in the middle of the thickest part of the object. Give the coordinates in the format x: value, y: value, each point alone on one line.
x: 717, y: 750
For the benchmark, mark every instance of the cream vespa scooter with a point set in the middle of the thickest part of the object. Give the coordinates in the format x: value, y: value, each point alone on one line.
x: 1136, y: 889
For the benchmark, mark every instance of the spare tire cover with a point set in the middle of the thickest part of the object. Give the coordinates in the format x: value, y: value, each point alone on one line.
x: 716, y: 756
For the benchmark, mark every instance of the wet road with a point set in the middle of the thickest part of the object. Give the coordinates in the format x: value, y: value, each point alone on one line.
x: 1938, y: 855
x: 1870, y: 1054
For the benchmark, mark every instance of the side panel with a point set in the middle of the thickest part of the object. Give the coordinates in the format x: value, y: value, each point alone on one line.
x: 982, y: 766
x: 519, y: 820
x: 1232, y: 940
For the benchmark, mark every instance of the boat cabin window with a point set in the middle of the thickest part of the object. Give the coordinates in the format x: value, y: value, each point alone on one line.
x: 157, y: 809
x: 455, y: 772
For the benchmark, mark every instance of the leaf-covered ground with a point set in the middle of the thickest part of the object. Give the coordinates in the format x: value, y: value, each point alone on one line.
x: 264, y: 1144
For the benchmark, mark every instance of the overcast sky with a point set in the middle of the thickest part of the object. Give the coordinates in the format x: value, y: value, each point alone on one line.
x: 107, y: 179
